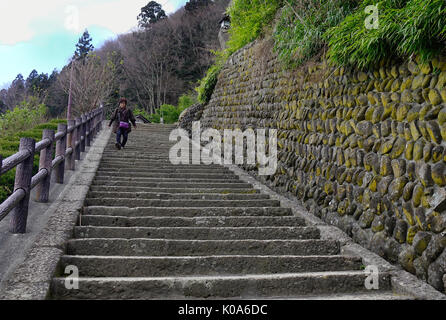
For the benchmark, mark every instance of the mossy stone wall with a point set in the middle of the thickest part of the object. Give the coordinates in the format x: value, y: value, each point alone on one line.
x: 363, y: 150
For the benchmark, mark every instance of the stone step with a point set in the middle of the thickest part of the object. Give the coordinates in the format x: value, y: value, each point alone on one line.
x: 208, y: 176
x: 243, y: 286
x: 105, y: 188
x: 100, y: 266
x: 174, y: 184
x: 136, y: 169
x: 165, y: 196
x: 157, y: 165
x: 101, y: 179
x: 210, y: 222
x: 161, y: 247
x: 123, y: 156
x: 186, y: 212
x: 374, y: 295
x: 198, y: 233
x: 153, y: 230
x: 133, y: 203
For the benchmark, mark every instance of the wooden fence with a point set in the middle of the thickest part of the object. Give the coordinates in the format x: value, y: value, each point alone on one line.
x: 71, y: 139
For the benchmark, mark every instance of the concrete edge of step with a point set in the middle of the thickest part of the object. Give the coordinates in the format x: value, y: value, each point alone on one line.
x: 402, y: 282
x: 31, y: 278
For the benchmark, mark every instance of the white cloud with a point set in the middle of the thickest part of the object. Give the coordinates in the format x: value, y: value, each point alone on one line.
x: 24, y: 19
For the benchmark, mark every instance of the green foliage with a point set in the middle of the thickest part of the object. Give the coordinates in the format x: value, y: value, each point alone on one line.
x: 141, y: 112
x: 406, y: 27
x: 299, y: 32
x: 9, y: 145
x: 84, y: 46
x: 27, y: 114
x: 425, y: 22
x: 207, y: 84
x: 171, y: 113
x: 6, y: 185
x: 150, y: 14
x: 186, y: 100
x: 248, y: 20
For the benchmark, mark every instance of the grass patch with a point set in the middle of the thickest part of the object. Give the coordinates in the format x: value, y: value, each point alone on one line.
x: 406, y: 28
x: 249, y: 18
x: 298, y: 35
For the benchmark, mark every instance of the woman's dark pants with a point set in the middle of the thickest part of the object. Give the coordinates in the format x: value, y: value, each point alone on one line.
x: 122, y: 132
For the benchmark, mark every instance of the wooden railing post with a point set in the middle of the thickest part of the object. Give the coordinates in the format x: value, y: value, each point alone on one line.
x: 78, y: 139
x: 83, y: 131
x: 88, y: 134
x: 23, y: 176
x: 93, y: 115
x: 61, y: 147
x: 98, y: 119
x: 71, y: 140
x: 46, y: 159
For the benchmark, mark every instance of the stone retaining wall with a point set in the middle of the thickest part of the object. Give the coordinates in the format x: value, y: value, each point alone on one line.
x: 365, y: 151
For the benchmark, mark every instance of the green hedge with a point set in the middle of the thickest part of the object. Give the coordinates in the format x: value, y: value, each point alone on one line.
x: 9, y: 145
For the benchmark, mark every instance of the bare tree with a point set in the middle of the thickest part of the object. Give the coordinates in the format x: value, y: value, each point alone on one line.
x: 92, y: 81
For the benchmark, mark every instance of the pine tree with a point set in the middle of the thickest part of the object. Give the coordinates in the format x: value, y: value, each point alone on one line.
x: 84, y: 46
x: 150, y: 14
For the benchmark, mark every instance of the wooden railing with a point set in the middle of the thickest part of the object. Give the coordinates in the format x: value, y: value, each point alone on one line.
x: 71, y: 139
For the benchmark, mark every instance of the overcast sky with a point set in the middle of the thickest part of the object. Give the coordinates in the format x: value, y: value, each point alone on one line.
x: 42, y: 34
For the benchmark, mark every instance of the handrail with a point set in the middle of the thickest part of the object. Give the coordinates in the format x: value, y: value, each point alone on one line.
x: 70, y: 139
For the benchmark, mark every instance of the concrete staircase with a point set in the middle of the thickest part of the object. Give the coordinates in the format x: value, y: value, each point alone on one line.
x: 152, y: 230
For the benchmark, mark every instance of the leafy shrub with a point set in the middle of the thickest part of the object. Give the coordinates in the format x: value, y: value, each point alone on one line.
x: 9, y: 145
x: 299, y: 32
x: 425, y: 22
x: 186, y: 100
x: 406, y: 27
x: 169, y: 113
x: 27, y: 114
x: 207, y: 84
x: 140, y: 112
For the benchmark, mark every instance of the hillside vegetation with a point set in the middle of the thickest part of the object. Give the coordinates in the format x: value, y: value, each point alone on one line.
x: 340, y: 28
x: 151, y: 66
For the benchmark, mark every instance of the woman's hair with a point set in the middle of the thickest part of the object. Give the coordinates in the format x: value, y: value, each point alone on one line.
x: 123, y: 100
